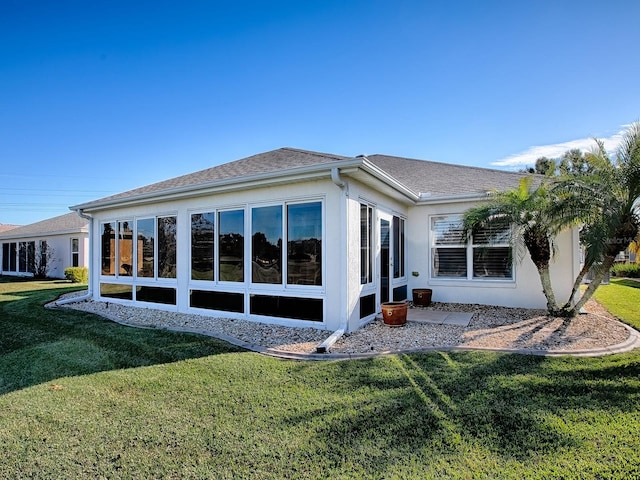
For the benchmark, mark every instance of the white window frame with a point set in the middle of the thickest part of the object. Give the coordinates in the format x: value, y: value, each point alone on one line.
x: 469, y: 245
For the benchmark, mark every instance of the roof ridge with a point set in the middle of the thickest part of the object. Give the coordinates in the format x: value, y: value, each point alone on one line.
x: 313, y: 152
x: 475, y: 167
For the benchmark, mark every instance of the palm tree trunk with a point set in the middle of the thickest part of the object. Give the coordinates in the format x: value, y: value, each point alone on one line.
x: 545, y: 280
x: 576, y: 286
x: 595, y: 282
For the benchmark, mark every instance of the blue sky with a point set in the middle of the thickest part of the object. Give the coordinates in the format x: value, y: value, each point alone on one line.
x: 101, y: 97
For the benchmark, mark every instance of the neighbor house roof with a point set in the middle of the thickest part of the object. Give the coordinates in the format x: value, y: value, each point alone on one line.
x: 4, y: 227
x: 67, y: 223
x: 420, y: 179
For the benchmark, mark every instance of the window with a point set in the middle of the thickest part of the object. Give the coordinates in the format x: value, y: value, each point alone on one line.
x: 266, y: 244
x: 398, y: 248
x: 202, y: 240
x: 26, y: 252
x: 167, y: 241
x: 75, y: 252
x: 163, y: 295
x: 146, y: 247
x: 492, y: 256
x: 231, y: 246
x: 153, y: 258
x: 5, y: 257
x: 108, y: 244
x: 303, y: 237
x: 10, y: 257
x: 287, y: 307
x: 117, y: 257
x: 13, y: 254
x: 227, y: 302
x: 44, y: 253
x: 125, y: 248
x: 487, y: 256
x: 366, y: 250
x: 304, y: 244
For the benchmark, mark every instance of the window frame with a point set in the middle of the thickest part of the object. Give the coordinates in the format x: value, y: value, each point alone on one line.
x: 469, y: 246
x: 284, y: 284
x: 75, y: 251
x: 367, y: 244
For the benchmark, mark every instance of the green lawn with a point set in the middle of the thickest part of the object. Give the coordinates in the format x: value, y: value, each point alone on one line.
x: 622, y: 299
x: 82, y: 397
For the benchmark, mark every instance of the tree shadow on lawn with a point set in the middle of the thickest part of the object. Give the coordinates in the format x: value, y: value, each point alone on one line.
x: 417, y: 405
x: 38, y: 345
x: 626, y: 282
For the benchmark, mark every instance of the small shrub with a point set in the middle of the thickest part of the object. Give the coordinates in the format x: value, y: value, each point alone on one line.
x: 77, y: 274
x: 629, y: 270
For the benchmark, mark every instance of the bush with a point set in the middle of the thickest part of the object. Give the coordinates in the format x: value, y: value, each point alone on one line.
x: 77, y: 274
x: 629, y: 270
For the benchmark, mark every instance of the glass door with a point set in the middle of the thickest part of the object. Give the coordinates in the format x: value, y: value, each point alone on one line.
x: 386, y: 260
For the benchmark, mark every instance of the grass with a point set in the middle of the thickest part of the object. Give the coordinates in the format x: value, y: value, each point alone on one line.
x: 82, y: 397
x: 622, y: 299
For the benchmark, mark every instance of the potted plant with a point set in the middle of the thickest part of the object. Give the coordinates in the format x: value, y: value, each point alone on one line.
x: 422, y: 296
x: 394, y: 314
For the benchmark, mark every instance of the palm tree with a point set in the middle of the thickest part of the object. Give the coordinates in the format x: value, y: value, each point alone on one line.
x: 605, y: 203
x: 526, y: 208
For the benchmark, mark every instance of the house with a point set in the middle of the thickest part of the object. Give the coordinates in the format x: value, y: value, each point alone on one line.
x: 304, y: 238
x: 53, y: 244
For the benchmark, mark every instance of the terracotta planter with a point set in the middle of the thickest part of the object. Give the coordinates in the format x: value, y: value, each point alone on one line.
x: 422, y: 296
x: 394, y: 314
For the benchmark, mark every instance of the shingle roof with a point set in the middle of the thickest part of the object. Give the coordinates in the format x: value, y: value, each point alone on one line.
x: 436, y: 178
x: 419, y: 176
x: 69, y: 222
x: 273, y: 161
x: 5, y: 227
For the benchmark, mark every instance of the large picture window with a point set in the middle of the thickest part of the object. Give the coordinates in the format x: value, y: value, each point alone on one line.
x: 154, y: 248
x: 301, y: 228
x: 487, y: 255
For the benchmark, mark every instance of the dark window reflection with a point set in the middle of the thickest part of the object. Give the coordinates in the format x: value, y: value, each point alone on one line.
x: 125, y: 248
x: 202, y: 240
x: 304, y: 244
x: 231, y: 246
x: 108, y: 248
x: 167, y: 247
x: 266, y: 234
x: 146, y: 234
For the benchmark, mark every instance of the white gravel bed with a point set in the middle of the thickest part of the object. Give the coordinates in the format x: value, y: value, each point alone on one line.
x: 490, y: 327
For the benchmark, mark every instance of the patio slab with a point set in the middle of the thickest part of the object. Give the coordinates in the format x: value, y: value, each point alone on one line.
x: 438, y: 317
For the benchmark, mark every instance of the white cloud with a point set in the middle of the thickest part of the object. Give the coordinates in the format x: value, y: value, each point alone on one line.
x: 528, y: 157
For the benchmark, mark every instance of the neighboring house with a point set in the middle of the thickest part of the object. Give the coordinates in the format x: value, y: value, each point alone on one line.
x: 65, y: 238
x: 311, y: 239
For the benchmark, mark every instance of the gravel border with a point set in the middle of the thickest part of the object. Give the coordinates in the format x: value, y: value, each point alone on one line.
x: 491, y: 328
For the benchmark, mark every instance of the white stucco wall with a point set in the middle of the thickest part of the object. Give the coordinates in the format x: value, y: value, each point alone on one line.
x: 524, y: 290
